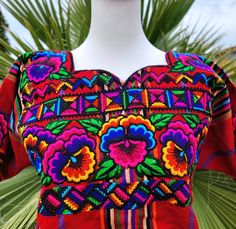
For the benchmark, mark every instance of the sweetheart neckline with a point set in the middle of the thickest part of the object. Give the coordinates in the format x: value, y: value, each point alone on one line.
x: 110, y: 73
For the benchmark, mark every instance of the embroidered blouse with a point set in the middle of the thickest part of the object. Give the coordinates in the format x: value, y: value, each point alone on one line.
x: 112, y: 153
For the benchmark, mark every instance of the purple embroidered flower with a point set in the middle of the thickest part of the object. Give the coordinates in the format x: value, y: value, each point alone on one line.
x: 127, y: 139
x: 43, y: 64
x: 3, y: 128
x: 71, y: 157
x: 36, y: 140
x: 190, y: 59
x: 179, y: 148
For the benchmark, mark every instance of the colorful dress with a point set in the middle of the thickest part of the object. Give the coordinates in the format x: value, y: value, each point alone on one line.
x: 112, y: 153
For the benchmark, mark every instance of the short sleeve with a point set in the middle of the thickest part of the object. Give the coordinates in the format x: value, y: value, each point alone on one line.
x: 12, y: 153
x: 218, y: 151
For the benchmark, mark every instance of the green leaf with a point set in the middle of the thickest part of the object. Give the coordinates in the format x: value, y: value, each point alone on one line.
x: 63, y: 72
x: 180, y: 67
x: 154, y: 165
x: 108, y: 169
x: 24, y: 80
x: 46, y: 180
x: 192, y: 119
x: 143, y: 171
x: 160, y: 120
x: 92, y: 125
x: 56, y: 127
x: 150, y: 167
x: 57, y: 76
x: 116, y: 172
x: 105, y: 166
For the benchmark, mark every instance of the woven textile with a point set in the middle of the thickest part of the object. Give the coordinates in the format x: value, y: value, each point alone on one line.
x: 113, y: 153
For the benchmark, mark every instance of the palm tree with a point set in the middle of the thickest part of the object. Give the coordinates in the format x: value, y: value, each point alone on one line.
x: 65, y: 28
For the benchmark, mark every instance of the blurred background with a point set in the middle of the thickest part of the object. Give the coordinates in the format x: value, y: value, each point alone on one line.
x: 206, y: 28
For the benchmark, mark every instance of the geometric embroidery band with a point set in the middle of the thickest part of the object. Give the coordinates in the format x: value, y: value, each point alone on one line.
x: 74, y: 199
x: 105, y: 102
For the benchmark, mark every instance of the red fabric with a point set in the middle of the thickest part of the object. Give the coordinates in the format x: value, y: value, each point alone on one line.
x: 218, y: 151
x: 12, y: 151
x: 166, y: 216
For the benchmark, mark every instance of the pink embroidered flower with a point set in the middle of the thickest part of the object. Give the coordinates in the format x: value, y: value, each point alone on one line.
x: 127, y: 139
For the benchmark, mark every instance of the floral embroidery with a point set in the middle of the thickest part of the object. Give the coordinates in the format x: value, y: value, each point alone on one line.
x: 127, y: 143
x: 127, y: 140
x: 188, y: 62
x: 179, y: 147
x: 41, y: 66
x: 36, y: 140
x: 201, y: 131
x: 70, y: 157
x: 158, y: 139
x: 3, y: 128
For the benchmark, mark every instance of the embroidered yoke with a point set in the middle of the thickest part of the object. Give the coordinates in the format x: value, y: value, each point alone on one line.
x: 114, y: 154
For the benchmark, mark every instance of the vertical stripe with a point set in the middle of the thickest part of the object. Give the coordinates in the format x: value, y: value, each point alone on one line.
x: 132, y: 175
x: 145, y: 217
x: 140, y: 217
x: 168, y: 98
x: 102, y: 218
x: 154, y: 214
x: 112, y: 218
x: 118, y: 218
x: 125, y: 218
x: 61, y: 223
x: 80, y: 105
x: 127, y: 175
x: 189, y: 98
x: 133, y: 220
x: 129, y: 219
x: 148, y: 217
x: 108, y: 218
x: 191, y: 220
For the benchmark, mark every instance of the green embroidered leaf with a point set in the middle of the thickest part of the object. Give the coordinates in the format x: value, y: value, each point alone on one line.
x: 192, y: 119
x: 161, y: 120
x: 150, y: 167
x: 143, y: 171
x: 108, y: 169
x: 138, y: 170
x: 116, y: 172
x: 63, y: 72
x: 106, y: 79
x: 46, y: 180
x: 154, y: 165
x: 27, y: 55
x: 56, y: 127
x: 92, y: 125
x: 179, y: 67
x: 24, y: 80
x: 57, y: 76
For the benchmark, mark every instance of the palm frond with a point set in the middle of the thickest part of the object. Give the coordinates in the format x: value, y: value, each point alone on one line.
x: 214, y: 199
x: 19, y: 198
